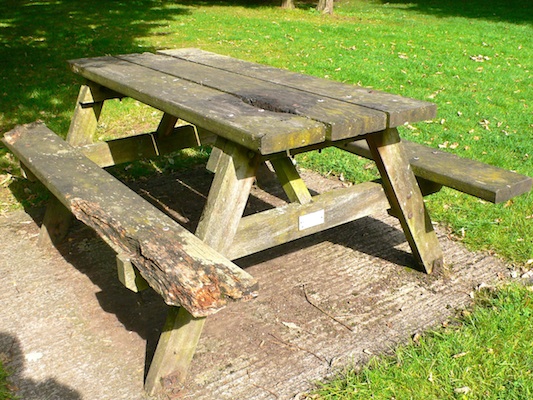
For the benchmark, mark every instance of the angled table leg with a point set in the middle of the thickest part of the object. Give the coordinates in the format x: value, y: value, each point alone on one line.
x: 290, y: 180
x: 235, y: 174
x: 167, y: 123
x: 405, y: 197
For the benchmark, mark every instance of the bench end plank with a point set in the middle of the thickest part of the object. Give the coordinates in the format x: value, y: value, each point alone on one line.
x: 177, y: 264
x: 487, y: 182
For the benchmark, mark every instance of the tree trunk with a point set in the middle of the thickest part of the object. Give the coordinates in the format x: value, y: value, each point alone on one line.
x: 289, y: 4
x: 325, y: 6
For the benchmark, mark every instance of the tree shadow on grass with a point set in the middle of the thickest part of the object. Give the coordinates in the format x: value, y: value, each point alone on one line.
x: 513, y: 11
x: 36, y: 39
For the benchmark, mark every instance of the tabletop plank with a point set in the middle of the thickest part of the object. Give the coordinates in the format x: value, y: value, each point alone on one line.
x: 226, y: 114
x: 399, y: 109
x: 344, y: 120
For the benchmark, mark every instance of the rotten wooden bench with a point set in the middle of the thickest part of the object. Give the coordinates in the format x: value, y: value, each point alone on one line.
x: 250, y: 113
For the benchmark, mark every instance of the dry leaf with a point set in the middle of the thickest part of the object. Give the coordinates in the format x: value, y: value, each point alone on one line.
x: 459, y: 355
x: 462, y: 390
x: 291, y: 325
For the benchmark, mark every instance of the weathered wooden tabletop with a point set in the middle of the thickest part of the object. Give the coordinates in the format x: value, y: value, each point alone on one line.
x: 265, y: 109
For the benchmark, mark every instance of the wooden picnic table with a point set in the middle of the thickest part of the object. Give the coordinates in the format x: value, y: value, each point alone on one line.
x: 258, y: 112
x: 251, y: 114
x: 254, y: 113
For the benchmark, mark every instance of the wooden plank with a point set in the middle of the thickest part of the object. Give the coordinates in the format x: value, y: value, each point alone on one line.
x: 167, y: 124
x: 175, y: 351
x: 98, y: 95
x: 85, y: 118
x: 290, y: 180
x: 56, y: 223
x: 273, y: 227
x: 132, y: 148
x: 57, y: 218
x: 227, y: 115
x: 229, y: 192
x: 176, y: 264
x: 216, y: 154
x: 475, y: 178
x: 398, y: 108
x: 341, y: 118
x: 405, y: 197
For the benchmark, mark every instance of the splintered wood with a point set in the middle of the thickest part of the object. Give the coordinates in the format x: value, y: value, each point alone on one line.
x: 178, y: 265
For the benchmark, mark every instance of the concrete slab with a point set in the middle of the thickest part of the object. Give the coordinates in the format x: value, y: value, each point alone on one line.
x: 69, y: 330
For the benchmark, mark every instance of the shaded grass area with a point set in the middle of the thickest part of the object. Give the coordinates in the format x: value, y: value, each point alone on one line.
x: 513, y: 11
x: 486, y: 354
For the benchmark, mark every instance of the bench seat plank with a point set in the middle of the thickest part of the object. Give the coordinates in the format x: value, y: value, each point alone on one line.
x: 229, y: 116
x: 178, y: 265
x: 399, y: 109
x: 342, y: 119
x: 484, y: 181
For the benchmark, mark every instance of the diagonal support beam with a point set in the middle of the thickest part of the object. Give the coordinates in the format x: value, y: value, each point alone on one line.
x: 405, y: 197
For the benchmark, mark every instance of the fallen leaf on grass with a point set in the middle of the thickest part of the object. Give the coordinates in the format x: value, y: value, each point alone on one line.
x: 479, y: 58
x: 459, y: 355
x: 462, y: 390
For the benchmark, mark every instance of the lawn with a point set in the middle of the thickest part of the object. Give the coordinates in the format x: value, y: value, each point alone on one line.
x: 472, y: 58
x: 486, y: 355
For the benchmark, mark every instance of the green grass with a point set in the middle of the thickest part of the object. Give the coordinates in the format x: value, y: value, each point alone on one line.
x: 472, y: 58
x: 5, y: 392
x: 487, y: 354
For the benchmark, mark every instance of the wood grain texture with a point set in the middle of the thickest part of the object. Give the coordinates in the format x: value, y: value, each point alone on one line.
x: 226, y: 114
x: 148, y: 145
x: 290, y: 180
x: 229, y: 192
x: 130, y: 276
x: 342, y: 119
x: 271, y: 228
x: 175, y: 351
x: 475, y: 178
x: 177, y: 265
x: 399, y: 109
x: 235, y: 172
x: 86, y: 116
x: 166, y: 125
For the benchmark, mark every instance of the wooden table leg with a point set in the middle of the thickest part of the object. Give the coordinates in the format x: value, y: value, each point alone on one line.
x: 175, y: 351
x: 56, y: 223
x: 85, y: 118
x: 405, y: 197
x: 235, y: 174
x: 234, y: 177
x: 166, y: 125
x: 290, y: 180
x: 57, y: 218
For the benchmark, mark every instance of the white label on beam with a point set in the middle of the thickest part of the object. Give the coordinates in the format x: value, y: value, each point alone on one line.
x: 309, y: 220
